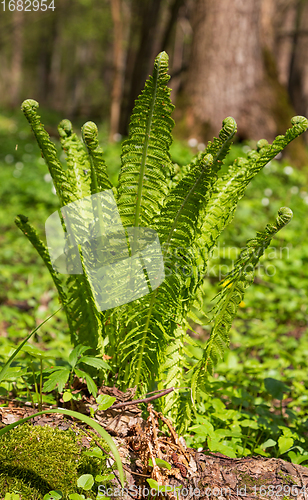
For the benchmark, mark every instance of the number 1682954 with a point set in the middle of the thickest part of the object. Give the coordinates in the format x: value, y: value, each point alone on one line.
x: 27, y: 5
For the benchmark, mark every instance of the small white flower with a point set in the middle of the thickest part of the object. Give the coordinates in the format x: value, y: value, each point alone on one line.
x: 294, y: 189
x: 117, y: 137
x: 288, y: 170
x: 47, y: 178
x: 268, y: 192
x: 192, y: 142
x: 201, y: 146
x: 265, y: 202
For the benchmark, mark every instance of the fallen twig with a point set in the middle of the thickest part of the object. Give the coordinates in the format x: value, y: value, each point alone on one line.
x: 145, y: 400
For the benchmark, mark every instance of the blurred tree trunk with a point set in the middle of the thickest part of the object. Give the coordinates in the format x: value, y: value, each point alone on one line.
x: 118, y: 65
x: 56, y: 84
x: 43, y: 65
x: 227, y: 74
x: 298, y: 73
x: 173, y: 16
x: 281, y: 43
x: 17, y: 57
x: 145, y: 17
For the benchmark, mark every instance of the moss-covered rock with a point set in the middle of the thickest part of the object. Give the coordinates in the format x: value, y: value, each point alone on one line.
x: 35, y: 460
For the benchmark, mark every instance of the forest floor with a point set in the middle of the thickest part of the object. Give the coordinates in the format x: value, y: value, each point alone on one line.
x: 257, y: 401
x: 188, y: 473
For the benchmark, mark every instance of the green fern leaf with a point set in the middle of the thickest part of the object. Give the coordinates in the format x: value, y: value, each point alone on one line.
x: 145, y: 158
x: 231, y: 187
x: 232, y: 293
x: 87, y: 324
x: 22, y: 222
x: 176, y: 228
x: 78, y: 166
x: 63, y: 189
x: 99, y: 176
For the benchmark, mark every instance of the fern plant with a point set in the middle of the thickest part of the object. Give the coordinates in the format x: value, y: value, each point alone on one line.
x: 146, y: 339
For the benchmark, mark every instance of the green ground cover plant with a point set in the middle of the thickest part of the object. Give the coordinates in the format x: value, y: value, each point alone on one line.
x: 242, y: 393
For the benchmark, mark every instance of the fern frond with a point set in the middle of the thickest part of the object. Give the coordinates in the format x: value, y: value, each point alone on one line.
x: 172, y: 374
x: 231, y: 187
x: 232, y: 293
x: 87, y: 327
x: 29, y: 231
x: 176, y: 229
x: 183, y: 207
x: 145, y: 154
x: 172, y: 365
x: 22, y: 222
x: 99, y: 176
x: 63, y: 189
x: 78, y: 166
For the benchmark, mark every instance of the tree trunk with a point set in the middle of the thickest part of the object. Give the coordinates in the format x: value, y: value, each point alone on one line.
x: 173, y: 15
x: 56, y: 87
x: 227, y: 76
x: 145, y: 21
x: 284, y: 16
x: 118, y: 68
x: 298, y: 79
x: 17, y: 56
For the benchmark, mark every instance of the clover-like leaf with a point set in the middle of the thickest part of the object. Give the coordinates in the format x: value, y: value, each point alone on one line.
x: 85, y: 481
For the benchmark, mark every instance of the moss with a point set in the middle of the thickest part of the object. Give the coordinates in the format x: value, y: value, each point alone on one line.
x: 287, y: 477
x: 250, y: 482
x: 36, y: 460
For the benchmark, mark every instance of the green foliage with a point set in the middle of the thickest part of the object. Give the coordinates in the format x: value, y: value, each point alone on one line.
x: 232, y: 295
x: 268, y: 339
x: 61, y: 375
x: 6, y: 367
x: 189, y: 208
x: 254, y: 405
